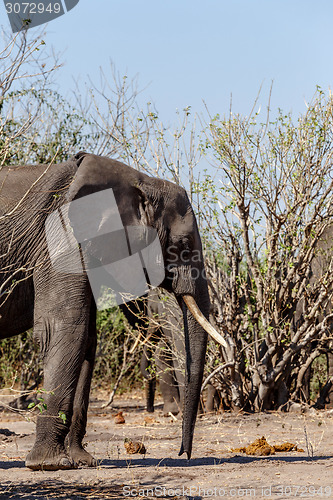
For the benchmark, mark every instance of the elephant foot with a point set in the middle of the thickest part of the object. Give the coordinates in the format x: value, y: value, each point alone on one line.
x: 82, y: 458
x: 38, y: 459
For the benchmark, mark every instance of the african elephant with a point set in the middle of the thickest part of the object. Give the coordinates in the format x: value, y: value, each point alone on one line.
x: 166, y: 345
x: 44, y: 285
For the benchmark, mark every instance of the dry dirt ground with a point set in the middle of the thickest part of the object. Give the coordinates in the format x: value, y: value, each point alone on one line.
x: 214, y: 471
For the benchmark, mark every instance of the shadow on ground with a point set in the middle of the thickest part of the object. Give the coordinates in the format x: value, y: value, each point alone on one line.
x: 198, y: 462
x: 58, y: 489
x: 184, y: 463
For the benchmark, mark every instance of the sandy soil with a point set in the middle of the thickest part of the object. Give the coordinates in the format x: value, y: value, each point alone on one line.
x: 213, y: 472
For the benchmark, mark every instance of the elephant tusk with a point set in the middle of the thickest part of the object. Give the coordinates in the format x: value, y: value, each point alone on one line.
x: 197, y: 314
x: 136, y: 343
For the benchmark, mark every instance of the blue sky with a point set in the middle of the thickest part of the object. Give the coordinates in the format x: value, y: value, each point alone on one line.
x: 187, y: 51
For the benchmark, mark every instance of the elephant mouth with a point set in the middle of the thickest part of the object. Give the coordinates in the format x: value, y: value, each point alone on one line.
x: 193, y: 307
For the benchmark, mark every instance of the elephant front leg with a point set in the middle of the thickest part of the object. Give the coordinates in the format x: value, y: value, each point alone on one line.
x: 79, y: 421
x: 64, y: 352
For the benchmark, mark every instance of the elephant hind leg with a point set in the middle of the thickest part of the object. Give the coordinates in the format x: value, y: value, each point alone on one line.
x: 168, y: 382
x: 148, y: 373
x: 213, y: 399
x: 150, y: 394
x: 81, y: 401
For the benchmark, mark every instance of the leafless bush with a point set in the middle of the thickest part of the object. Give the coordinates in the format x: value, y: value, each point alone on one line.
x: 268, y: 209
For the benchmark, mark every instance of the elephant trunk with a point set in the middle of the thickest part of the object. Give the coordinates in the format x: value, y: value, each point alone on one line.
x: 195, y: 347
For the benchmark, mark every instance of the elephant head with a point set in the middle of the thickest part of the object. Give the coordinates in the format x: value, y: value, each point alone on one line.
x: 148, y: 203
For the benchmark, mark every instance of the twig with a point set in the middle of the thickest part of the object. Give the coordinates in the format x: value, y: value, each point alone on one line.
x: 215, y: 372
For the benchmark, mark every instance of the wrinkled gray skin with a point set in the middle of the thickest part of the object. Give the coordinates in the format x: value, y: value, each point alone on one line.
x: 60, y: 306
x: 166, y: 346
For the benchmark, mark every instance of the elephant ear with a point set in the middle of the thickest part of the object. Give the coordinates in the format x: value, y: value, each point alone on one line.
x: 146, y: 210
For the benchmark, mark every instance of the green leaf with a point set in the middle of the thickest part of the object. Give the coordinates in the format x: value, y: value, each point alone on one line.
x: 63, y: 417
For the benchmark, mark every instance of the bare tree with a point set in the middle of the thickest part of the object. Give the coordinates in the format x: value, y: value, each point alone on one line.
x: 267, y: 207
x: 131, y: 129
